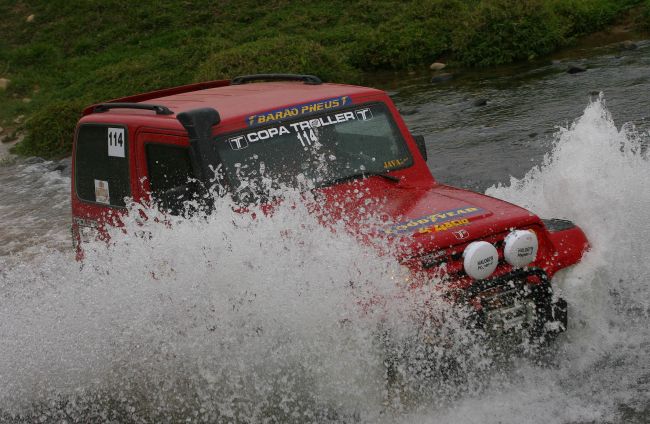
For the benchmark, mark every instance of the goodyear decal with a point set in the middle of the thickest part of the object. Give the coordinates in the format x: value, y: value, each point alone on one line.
x: 297, y: 110
x: 445, y: 226
x: 436, y: 220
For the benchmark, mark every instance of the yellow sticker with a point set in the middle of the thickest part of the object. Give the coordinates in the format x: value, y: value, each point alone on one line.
x: 395, y: 163
x: 433, y: 219
x: 445, y: 226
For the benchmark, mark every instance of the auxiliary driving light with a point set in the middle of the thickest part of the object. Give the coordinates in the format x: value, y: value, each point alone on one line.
x: 480, y: 259
x: 520, y: 248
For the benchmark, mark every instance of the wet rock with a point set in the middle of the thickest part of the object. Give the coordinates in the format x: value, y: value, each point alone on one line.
x: 56, y: 167
x: 441, y: 78
x: 33, y: 160
x: 629, y: 45
x: 64, y: 166
x: 4, y: 83
x: 575, y: 69
x: 59, y: 165
x: 409, y: 111
x: 63, y: 170
x: 64, y: 163
x: 532, y: 135
x: 437, y: 66
x: 556, y: 62
x: 595, y: 93
x: 480, y: 102
x: 12, y: 137
x: 30, y: 18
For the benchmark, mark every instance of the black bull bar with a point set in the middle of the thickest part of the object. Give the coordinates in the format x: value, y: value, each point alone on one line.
x: 539, y: 295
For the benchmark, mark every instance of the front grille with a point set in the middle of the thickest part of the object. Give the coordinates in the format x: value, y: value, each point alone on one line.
x: 534, y: 279
x: 505, y: 308
x: 498, y: 297
x: 516, y: 301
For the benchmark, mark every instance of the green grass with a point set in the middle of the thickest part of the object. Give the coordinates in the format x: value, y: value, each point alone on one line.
x: 643, y: 20
x: 78, y: 52
x: 292, y: 54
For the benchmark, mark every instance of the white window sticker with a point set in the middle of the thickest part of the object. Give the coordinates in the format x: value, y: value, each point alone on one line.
x: 101, y: 192
x: 238, y: 143
x: 306, y: 131
x: 116, y: 142
x: 364, y: 114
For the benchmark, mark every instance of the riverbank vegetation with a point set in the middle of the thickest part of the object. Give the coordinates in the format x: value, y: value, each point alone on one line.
x: 59, y: 55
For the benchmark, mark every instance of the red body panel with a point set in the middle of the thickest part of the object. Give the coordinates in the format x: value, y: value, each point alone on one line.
x: 569, y: 246
x: 402, y: 207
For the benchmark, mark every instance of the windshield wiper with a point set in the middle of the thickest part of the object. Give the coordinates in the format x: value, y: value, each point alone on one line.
x: 364, y: 175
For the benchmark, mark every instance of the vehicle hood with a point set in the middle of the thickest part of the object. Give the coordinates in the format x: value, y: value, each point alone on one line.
x: 423, y: 219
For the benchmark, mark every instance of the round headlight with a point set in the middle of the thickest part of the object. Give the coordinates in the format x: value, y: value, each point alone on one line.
x: 480, y: 259
x: 520, y: 248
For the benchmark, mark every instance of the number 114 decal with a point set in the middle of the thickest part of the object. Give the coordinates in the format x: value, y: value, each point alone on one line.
x: 307, y: 138
x: 116, y: 142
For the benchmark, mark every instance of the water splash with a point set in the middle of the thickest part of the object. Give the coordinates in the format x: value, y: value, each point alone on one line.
x: 596, y: 176
x: 218, y: 317
x: 224, y: 318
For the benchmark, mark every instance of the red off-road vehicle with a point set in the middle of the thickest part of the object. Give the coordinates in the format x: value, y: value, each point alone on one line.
x: 252, y: 131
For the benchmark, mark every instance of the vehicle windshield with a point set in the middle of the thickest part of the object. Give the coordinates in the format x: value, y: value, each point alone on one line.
x: 314, y: 151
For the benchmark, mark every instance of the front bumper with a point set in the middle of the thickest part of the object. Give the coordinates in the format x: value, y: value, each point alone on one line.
x: 519, y: 301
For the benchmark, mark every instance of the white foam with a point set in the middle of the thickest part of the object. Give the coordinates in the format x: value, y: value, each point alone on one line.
x: 597, y: 176
x: 259, y: 319
x: 244, y: 316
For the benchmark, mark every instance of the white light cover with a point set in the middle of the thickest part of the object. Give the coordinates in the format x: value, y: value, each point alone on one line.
x: 521, y: 248
x: 480, y: 259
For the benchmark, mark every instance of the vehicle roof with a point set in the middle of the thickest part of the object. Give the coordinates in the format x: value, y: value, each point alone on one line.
x: 231, y: 101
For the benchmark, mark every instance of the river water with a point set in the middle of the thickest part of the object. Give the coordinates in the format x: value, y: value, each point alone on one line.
x: 225, y: 320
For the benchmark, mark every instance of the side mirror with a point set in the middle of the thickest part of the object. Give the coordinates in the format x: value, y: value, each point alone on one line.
x: 422, y: 147
x: 203, y: 152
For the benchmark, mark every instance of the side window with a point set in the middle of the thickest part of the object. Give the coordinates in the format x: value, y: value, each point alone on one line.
x: 102, y: 164
x: 169, y: 170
